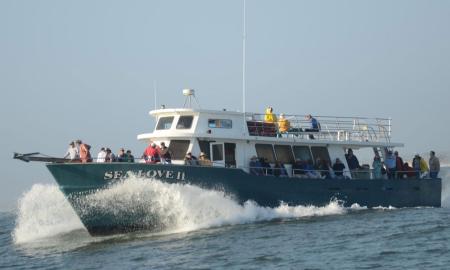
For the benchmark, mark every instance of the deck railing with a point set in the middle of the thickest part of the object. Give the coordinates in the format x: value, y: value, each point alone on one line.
x: 331, y: 128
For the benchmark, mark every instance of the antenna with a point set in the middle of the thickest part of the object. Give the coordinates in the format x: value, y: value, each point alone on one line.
x: 244, y: 38
x: 154, y: 93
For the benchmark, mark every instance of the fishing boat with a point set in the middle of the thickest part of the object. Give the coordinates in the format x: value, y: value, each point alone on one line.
x: 231, y: 140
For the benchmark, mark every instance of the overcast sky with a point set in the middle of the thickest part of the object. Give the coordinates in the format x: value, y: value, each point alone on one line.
x: 85, y: 69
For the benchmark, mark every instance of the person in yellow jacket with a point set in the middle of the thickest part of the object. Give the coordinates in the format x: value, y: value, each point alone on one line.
x: 270, y: 117
x: 283, y: 124
x: 423, y: 166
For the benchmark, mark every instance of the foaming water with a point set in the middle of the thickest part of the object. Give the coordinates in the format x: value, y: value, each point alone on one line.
x: 44, y: 211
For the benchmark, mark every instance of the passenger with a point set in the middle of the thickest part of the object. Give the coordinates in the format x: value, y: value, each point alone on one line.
x: 352, y: 160
x: 423, y: 168
x: 166, y: 154
x: 435, y: 165
x: 416, y: 165
x: 270, y: 117
x: 310, y: 171
x: 315, y: 125
x: 110, y: 157
x: 204, y: 160
x: 298, y: 168
x: 190, y: 159
x: 390, y: 163
x: 72, y: 152
x: 399, y: 166
x: 409, y: 171
x: 122, y: 156
x: 101, y: 155
x: 283, y: 124
x: 151, y: 154
x: 130, y: 157
x: 266, y: 166
x: 338, y: 169
x: 77, y: 145
x: 85, y: 154
x: 279, y: 170
x: 323, y: 167
x: 255, y: 166
x: 377, y: 165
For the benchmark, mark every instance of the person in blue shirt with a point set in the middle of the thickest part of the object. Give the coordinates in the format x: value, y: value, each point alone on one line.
x: 391, y: 166
x: 315, y: 125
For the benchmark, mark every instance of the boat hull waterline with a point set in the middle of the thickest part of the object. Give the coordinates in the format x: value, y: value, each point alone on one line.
x: 78, y: 181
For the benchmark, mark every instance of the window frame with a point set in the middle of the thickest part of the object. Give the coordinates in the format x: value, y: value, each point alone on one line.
x: 185, y: 117
x: 212, y: 123
x: 270, y: 160
x: 165, y: 123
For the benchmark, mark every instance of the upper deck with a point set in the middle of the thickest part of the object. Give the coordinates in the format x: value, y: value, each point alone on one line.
x: 188, y: 122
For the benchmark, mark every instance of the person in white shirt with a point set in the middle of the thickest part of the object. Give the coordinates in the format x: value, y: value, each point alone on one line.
x: 72, y: 152
x: 101, y: 155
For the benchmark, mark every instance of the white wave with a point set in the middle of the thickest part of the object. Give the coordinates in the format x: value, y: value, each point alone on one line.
x: 445, y: 174
x: 44, y: 212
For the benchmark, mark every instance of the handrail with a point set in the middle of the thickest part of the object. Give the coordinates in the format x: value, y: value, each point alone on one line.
x: 332, y: 127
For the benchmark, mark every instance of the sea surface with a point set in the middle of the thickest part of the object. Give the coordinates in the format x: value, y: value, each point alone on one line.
x: 208, y: 230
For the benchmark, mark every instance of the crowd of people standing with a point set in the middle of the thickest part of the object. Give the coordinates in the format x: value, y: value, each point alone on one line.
x: 81, y: 152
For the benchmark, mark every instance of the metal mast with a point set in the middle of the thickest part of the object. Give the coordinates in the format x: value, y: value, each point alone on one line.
x: 244, y: 37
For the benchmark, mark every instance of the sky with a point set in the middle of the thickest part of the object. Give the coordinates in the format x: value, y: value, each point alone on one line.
x: 85, y: 69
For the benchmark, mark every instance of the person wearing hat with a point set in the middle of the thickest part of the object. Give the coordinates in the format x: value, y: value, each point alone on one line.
x: 283, y: 124
x: 72, y: 152
x: 203, y: 160
x: 190, y: 159
x: 152, y: 154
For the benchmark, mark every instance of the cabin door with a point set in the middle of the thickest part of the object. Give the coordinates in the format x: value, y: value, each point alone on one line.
x: 217, y: 154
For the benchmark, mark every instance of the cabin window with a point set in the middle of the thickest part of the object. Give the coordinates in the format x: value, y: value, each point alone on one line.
x: 320, y: 152
x: 217, y: 152
x: 164, y: 123
x: 284, y: 153
x: 185, y: 122
x: 179, y: 148
x: 265, y: 151
x: 302, y: 153
x: 220, y: 123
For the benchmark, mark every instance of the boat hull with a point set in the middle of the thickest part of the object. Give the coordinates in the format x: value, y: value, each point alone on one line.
x: 78, y: 180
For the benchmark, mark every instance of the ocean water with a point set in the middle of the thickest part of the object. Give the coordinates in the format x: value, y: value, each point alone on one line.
x: 209, y: 230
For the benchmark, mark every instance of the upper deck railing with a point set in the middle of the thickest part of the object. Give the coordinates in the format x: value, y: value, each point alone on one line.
x: 332, y: 128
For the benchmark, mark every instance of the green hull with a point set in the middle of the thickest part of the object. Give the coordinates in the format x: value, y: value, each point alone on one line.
x: 79, y: 181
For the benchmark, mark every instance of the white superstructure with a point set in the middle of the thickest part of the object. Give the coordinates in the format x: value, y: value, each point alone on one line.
x: 229, y: 140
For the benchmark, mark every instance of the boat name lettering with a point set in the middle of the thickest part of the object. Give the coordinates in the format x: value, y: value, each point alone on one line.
x: 168, y: 174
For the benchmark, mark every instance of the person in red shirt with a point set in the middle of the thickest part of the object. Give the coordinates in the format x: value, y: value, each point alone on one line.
x: 152, y: 154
